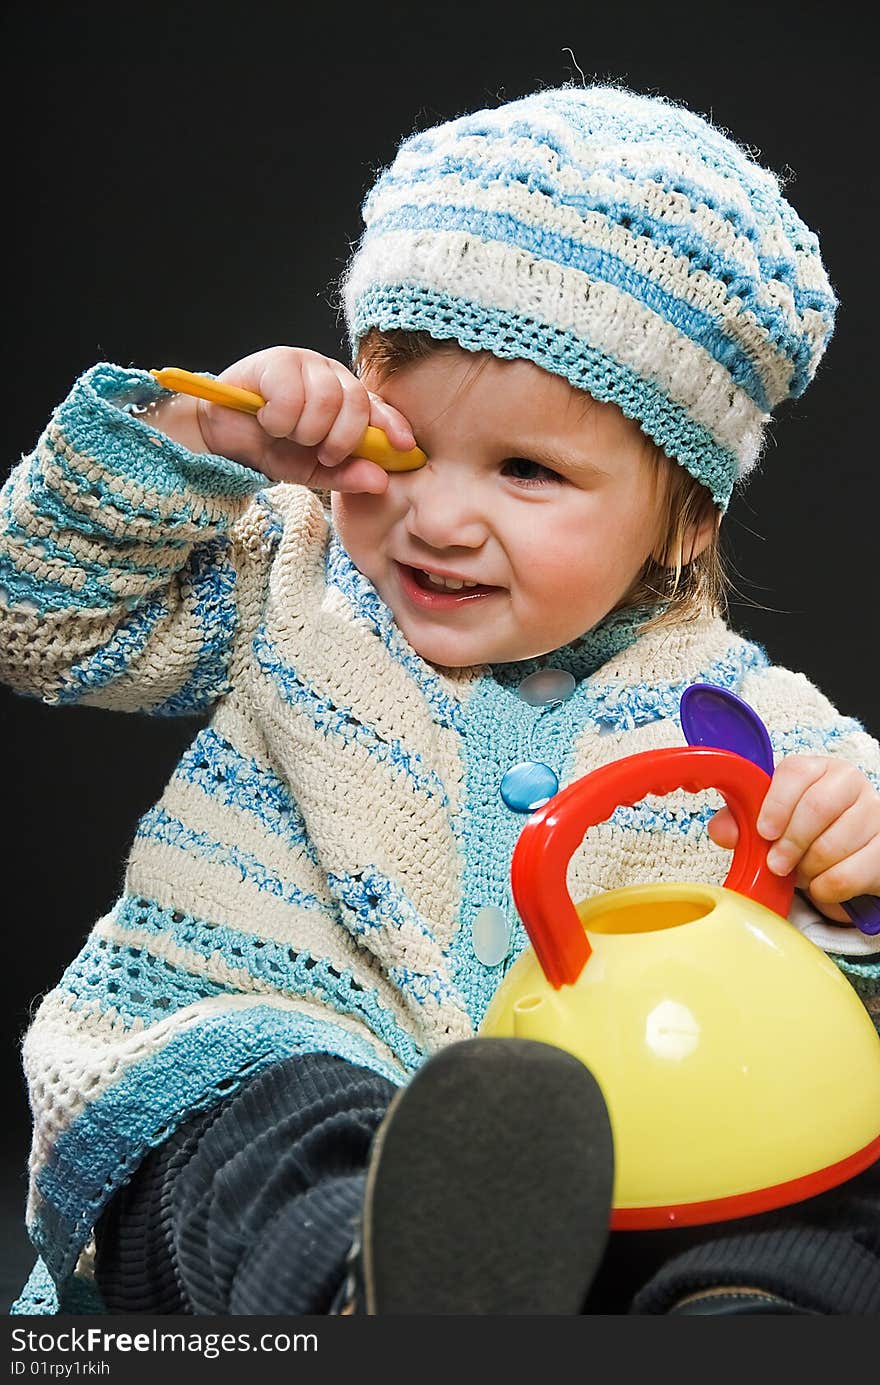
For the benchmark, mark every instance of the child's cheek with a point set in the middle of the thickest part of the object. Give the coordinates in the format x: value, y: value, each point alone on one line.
x: 549, y: 556
x: 362, y: 523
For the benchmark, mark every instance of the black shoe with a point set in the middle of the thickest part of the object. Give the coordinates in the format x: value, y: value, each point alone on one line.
x: 489, y: 1186
x: 730, y: 1303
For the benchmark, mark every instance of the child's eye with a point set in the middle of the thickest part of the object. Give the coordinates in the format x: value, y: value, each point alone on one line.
x: 527, y: 472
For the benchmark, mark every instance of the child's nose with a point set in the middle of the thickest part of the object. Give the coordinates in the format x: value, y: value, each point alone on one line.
x: 446, y: 507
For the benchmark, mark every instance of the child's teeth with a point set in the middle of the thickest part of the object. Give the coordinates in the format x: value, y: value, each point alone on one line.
x: 452, y: 584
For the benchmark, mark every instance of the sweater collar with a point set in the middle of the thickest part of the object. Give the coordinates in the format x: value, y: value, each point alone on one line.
x: 583, y: 656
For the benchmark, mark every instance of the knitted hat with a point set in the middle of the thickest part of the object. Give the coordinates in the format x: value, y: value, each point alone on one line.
x: 617, y: 240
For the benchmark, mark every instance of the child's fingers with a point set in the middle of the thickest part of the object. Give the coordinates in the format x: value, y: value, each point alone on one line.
x: 791, y: 779
x: 723, y: 830
x: 383, y: 415
x: 323, y: 399
x: 314, y: 403
x: 807, y: 794
x: 855, y: 829
x: 347, y: 428
x: 309, y: 428
x: 858, y: 873
x: 276, y: 374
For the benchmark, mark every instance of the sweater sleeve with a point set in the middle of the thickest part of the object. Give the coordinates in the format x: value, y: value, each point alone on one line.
x: 801, y: 720
x: 120, y: 581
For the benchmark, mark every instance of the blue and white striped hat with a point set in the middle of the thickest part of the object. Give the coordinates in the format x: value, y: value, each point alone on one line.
x: 617, y: 240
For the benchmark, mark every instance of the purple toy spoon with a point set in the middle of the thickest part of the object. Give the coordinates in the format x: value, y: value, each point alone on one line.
x: 715, y: 717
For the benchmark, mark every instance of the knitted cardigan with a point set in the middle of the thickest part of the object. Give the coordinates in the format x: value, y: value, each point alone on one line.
x: 309, y: 877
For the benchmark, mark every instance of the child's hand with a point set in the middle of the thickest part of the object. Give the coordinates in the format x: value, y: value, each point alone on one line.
x: 314, y: 417
x: 824, y: 818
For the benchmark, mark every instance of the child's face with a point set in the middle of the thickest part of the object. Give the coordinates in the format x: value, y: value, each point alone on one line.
x: 543, y: 497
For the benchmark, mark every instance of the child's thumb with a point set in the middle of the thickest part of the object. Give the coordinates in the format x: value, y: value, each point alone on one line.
x: 723, y: 830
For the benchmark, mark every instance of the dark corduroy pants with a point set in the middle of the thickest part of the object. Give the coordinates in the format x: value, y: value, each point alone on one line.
x: 252, y: 1208
x: 821, y: 1255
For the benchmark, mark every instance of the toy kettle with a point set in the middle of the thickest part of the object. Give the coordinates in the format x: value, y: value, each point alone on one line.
x: 740, y: 1068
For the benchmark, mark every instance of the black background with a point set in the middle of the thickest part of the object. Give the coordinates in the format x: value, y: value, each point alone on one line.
x: 182, y: 186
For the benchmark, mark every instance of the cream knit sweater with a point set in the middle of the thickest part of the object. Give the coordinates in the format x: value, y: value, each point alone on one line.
x: 309, y: 877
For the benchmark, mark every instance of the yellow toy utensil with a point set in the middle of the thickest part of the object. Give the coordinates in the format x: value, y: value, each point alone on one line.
x: 374, y: 444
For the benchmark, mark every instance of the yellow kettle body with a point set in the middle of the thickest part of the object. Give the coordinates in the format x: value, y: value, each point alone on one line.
x: 740, y: 1068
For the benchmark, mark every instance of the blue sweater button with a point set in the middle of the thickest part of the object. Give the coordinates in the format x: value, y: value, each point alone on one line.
x: 527, y: 786
x: 490, y: 934
x: 545, y: 686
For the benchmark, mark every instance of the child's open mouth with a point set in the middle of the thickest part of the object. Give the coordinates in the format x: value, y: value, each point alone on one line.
x: 429, y: 591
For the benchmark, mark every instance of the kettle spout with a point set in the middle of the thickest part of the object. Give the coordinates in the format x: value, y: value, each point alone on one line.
x: 537, y: 1017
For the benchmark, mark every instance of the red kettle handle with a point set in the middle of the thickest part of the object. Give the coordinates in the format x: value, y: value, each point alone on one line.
x: 552, y: 835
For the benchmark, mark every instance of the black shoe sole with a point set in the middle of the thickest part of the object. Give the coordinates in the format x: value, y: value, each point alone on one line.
x: 490, y: 1185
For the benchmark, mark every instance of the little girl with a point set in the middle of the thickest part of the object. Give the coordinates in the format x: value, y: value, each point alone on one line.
x: 583, y: 306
